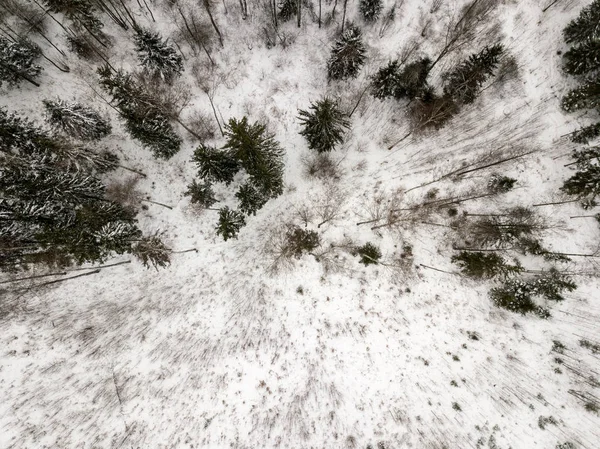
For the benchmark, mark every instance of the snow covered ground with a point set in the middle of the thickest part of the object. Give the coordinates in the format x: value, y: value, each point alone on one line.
x: 221, y: 351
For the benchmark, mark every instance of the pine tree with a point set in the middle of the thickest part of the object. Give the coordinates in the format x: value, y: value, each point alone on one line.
x: 143, y: 118
x: 17, y: 61
x: 585, y: 183
x: 586, y: 134
x: 201, y: 194
x: 485, y: 266
x: 287, y: 10
x: 323, y: 125
x: 230, y: 223
x: 500, y: 184
x: 586, y: 27
x: 582, y: 59
x: 156, y: 55
x: 81, y: 12
x: 370, y: 9
x: 258, y: 153
x: 465, y: 81
x: 152, y: 251
x: 586, y: 96
x: 251, y: 199
x: 52, y: 211
x: 76, y: 120
x: 347, y: 55
x: 215, y: 165
x: 397, y: 82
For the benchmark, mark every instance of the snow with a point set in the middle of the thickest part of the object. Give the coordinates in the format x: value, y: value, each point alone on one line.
x: 220, y: 351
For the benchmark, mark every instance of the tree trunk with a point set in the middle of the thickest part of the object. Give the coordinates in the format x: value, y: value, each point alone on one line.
x: 320, y: 1
x: 344, y: 15
x: 299, y: 13
x: 212, y: 20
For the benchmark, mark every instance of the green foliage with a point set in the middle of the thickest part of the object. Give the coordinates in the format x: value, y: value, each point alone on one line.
x: 299, y: 241
x: 586, y: 26
x: 585, y: 96
x: 287, y: 10
x: 156, y: 55
x: 485, y: 265
x: 583, y: 58
x: 54, y: 210
x: 397, y: 82
x: 230, y: 223
x: 152, y: 252
x: 370, y: 10
x: 76, y: 120
x: 201, y: 194
x: 530, y: 245
x: 251, y: 199
x: 465, y: 81
x: 324, y: 125
x: 347, y: 55
x: 500, y: 184
x: 215, y: 165
x: 143, y: 118
x: 586, y: 180
x: 586, y: 134
x: 81, y: 12
x: 369, y: 254
x: 17, y: 61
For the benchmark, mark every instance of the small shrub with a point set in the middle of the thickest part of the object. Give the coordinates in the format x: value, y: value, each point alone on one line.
x: 230, y: 223
x: 300, y: 241
x: 558, y: 347
x: 370, y: 9
x: 543, y: 421
x: 594, y: 347
x: 500, y: 184
x: 369, y: 254
x: 456, y: 406
x: 566, y: 445
x: 591, y: 407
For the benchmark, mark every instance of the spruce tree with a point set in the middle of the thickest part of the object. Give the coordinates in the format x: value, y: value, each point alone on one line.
x: 465, y: 81
x: 81, y: 12
x: 585, y: 183
x: 215, y: 165
x: 76, y: 120
x: 369, y: 254
x: 397, y: 82
x: 156, y: 55
x: 582, y: 59
x: 288, y: 9
x: 586, y: 27
x: 251, y: 198
x: 485, y: 266
x: 500, y: 184
x: 152, y: 251
x: 370, y: 9
x: 347, y: 55
x: 323, y: 125
x: 230, y: 223
x: 54, y: 212
x: 586, y: 96
x: 586, y: 134
x: 201, y: 194
x: 17, y: 61
x: 144, y: 120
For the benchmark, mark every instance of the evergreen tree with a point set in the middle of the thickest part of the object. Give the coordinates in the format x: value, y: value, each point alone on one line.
x: 397, y: 82
x: 215, y: 165
x: 586, y: 180
x: 299, y: 241
x: 17, y: 61
x: 586, y: 134
x: 156, y: 55
x: 152, y: 251
x: 370, y: 9
x: 586, y: 96
x: 369, y: 254
x: 586, y: 27
x: 76, y: 120
x: 465, y: 81
x: 323, y: 125
x: 81, y: 12
x: 258, y: 153
x: 500, y: 184
x: 52, y: 211
x: 583, y: 58
x: 230, y: 223
x: 287, y: 10
x: 251, y: 199
x: 485, y: 266
x: 143, y: 118
x: 347, y: 55
x: 201, y: 194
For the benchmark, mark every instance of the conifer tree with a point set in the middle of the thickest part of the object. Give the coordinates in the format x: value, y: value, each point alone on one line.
x: 586, y: 96
x: 323, y: 125
x: 76, y: 120
x: 287, y: 10
x: 201, y: 194
x: 17, y: 61
x: 347, y: 55
x: 485, y: 266
x: 156, y: 55
x: 230, y: 223
x: 215, y: 165
x: 500, y: 184
x: 465, y: 81
x: 385, y: 83
x: 151, y: 250
x: 51, y: 211
x: 586, y: 26
x: 370, y: 9
x: 81, y: 12
x: 397, y: 82
x: 369, y: 254
x: 143, y: 119
x: 251, y: 198
x: 582, y: 59
x: 586, y: 134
